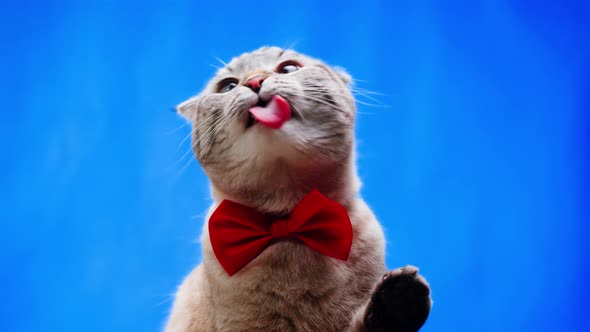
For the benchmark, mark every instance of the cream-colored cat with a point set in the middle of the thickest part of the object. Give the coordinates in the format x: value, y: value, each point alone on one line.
x: 267, y: 155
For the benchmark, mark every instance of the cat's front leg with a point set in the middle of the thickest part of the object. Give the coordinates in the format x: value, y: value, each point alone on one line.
x: 399, y: 303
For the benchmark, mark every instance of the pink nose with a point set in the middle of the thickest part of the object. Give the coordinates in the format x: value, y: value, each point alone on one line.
x: 255, y: 82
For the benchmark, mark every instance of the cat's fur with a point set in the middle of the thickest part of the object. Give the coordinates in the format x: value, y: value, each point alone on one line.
x: 289, y: 287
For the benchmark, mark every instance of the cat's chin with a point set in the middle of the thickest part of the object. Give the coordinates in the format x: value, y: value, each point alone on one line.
x: 267, y: 146
x: 278, y: 187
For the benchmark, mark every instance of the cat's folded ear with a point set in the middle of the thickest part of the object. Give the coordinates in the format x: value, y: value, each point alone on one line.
x: 344, y: 76
x: 188, y: 109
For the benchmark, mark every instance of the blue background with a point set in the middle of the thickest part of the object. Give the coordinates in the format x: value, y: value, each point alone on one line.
x: 477, y: 167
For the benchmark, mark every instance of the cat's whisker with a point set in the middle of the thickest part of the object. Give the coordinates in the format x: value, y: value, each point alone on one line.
x: 184, y: 167
x: 178, y: 147
x: 311, y: 96
x: 200, y: 139
x: 210, y: 135
x: 219, y: 60
x: 191, y: 148
x: 185, y: 138
x: 379, y: 103
x: 355, y: 94
x: 299, y: 113
x: 186, y: 153
x: 182, y: 158
x: 214, y: 129
x: 314, y: 90
x: 360, y: 91
x: 205, y: 137
x: 291, y: 45
x: 168, y: 133
x: 354, y: 80
x: 303, y: 152
x: 168, y: 298
x: 319, y: 100
x: 370, y: 92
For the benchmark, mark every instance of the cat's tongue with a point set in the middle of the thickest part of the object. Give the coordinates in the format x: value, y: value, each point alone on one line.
x: 273, y: 115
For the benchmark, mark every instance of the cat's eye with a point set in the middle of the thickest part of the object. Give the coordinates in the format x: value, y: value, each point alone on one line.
x: 227, y: 85
x: 288, y: 67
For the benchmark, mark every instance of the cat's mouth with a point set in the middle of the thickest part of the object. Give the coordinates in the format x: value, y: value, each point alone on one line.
x: 272, y: 113
x: 251, y: 119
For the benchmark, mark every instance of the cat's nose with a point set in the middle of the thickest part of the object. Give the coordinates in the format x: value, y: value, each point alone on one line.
x: 255, y: 82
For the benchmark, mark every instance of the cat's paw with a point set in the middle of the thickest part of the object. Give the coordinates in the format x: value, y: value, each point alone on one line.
x: 401, y: 302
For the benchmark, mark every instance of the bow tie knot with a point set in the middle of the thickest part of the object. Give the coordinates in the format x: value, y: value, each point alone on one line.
x: 279, y: 229
x: 239, y: 233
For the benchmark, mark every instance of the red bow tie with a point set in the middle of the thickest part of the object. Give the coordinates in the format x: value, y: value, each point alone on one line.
x: 239, y: 233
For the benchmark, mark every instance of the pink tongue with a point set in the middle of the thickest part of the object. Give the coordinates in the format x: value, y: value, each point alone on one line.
x: 273, y: 115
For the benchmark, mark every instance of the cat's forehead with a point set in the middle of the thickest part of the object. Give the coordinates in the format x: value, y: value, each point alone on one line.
x: 263, y: 58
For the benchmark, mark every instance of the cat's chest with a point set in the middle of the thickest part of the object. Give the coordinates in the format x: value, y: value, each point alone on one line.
x: 288, y: 289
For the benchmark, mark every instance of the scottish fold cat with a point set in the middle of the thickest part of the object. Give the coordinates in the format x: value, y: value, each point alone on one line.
x: 272, y: 126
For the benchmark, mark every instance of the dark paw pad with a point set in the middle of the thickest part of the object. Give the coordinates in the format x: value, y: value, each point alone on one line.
x: 401, y: 302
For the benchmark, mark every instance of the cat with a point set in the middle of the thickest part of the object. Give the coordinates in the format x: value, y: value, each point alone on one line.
x: 269, y: 128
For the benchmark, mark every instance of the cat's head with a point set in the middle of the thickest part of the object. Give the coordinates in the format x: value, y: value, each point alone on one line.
x: 273, y: 122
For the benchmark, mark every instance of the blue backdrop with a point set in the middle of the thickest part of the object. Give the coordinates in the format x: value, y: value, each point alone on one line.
x: 477, y: 166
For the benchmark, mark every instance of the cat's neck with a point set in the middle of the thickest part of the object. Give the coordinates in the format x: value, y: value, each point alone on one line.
x: 340, y: 184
